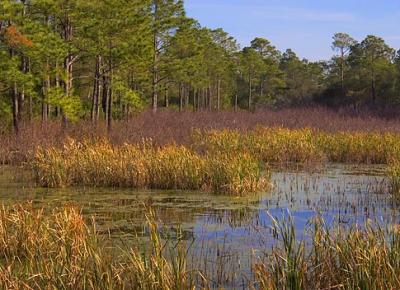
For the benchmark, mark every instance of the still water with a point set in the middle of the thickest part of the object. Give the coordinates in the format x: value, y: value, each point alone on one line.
x: 224, y: 228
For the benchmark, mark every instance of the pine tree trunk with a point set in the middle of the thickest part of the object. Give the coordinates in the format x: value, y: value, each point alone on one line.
x: 194, y: 99
x: 46, y: 89
x: 342, y: 72
x: 96, y: 91
x: 180, y: 96
x: 203, y: 99
x: 155, y: 61
x: 209, y: 99
x: 30, y: 104
x: 250, y: 94
x: 14, y: 100
x: 68, y: 63
x: 110, y: 108
x: 155, y: 88
x: 166, y: 97
x: 236, y: 102
x: 187, y: 94
x: 21, y: 95
x: 373, y: 89
x: 21, y: 101
x: 219, y: 95
x: 14, y: 97
x: 110, y: 93
x: 104, y: 101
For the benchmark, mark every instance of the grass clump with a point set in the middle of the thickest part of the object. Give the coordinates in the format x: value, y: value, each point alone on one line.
x: 393, y: 172
x: 58, y: 250
x: 145, y: 166
x: 283, y: 145
x: 237, y: 174
x: 335, y: 258
x: 265, y: 144
x: 280, y: 145
x: 359, y: 147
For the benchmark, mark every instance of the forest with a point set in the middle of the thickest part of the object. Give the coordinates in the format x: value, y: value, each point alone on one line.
x: 142, y: 150
x: 95, y: 60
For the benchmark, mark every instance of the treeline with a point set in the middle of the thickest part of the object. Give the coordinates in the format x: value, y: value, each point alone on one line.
x: 108, y: 59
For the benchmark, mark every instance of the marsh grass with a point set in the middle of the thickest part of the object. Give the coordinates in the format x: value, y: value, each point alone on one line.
x: 358, y: 147
x: 142, y: 166
x: 365, y: 257
x: 168, y: 126
x: 281, y: 145
x: 275, y: 145
x: 393, y: 171
x: 226, y: 161
x: 57, y: 250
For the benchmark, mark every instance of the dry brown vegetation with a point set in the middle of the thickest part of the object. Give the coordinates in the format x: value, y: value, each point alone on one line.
x: 170, y: 126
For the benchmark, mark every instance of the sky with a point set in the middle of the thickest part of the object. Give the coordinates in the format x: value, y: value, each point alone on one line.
x: 306, y: 26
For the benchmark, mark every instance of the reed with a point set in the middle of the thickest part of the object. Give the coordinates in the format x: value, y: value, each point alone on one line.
x: 220, y: 161
x: 57, y: 250
x: 286, y: 267
x: 235, y: 174
x: 367, y: 148
x: 336, y: 258
x: 145, y: 166
x: 393, y: 172
x: 280, y: 145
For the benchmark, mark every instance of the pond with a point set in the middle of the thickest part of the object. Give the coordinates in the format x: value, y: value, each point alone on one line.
x: 227, y: 230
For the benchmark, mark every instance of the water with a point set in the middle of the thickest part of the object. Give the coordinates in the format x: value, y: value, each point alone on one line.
x: 226, y: 230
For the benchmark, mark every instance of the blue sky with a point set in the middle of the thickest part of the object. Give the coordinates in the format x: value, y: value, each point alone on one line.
x: 306, y: 26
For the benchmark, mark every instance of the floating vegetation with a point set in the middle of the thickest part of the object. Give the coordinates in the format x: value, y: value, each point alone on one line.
x: 146, y: 166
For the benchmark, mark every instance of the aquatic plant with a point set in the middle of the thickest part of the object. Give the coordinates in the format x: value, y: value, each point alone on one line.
x: 280, y: 145
x: 393, y: 172
x: 41, y: 251
x: 286, y: 267
x: 364, y: 257
x: 221, y: 161
x: 235, y: 174
x: 359, y: 147
x: 144, y: 166
x: 57, y: 250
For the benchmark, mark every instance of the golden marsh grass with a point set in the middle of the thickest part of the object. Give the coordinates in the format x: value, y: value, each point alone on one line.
x: 143, y: 166
x: 280, y: 145
x: 226, y: 161
x: 366, y: 257
x: 58, y: 250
